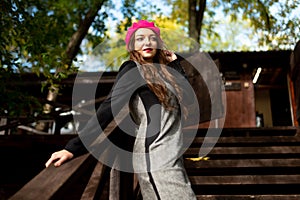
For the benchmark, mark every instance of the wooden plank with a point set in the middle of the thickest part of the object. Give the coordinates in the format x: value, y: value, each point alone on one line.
x: 55, y: 178
x: 243, y: 163
x: 290, y: 150
x: 121, y: 185
x: 97, y: 177
x: 249, y: 197
x: 245, y: 180
x: 246, y: 131
x: 114, y: 187
x: 254, y: 141
x: 261, y: 129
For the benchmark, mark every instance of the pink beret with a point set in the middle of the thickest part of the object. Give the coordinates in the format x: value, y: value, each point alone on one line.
x: 140, y: 24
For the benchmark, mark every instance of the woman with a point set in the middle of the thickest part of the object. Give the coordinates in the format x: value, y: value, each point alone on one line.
x: 156, y: 103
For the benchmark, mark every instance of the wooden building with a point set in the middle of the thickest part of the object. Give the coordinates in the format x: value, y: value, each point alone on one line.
x: 270, y: 98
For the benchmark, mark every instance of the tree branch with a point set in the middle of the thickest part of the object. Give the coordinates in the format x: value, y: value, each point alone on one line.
x: 77, y: 37
x: 266, y: 15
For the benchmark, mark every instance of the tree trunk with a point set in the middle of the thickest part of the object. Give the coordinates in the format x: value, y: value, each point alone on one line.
x: 71, y: 51
x: 196, y: 13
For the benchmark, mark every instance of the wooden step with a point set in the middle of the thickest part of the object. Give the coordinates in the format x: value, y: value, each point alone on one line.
x: 247, y: 152
x: 246, y: 180
x: 246, y: 184
x: 249, y: 197
x: 243, y: 167
x: 249, y: 141
x: 251, y: 131
x: 244, y: 164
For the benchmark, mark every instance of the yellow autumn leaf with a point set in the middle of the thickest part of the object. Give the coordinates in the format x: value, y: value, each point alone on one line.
x: 198, y: 158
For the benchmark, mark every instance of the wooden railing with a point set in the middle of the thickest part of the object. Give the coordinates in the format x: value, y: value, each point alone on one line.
x: 53, y: 182
x: 81, y: 178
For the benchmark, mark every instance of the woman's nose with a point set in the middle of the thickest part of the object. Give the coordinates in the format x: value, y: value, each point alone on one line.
x: 147, y: 41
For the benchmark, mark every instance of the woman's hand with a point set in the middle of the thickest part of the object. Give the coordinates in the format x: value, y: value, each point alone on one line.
x: 170, y: 55
x: 59, y: 157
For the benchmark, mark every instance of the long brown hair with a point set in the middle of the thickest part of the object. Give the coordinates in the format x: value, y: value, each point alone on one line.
x: 151, y: 73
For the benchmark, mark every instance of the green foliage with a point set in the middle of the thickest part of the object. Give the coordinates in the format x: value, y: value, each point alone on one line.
x: 15, y: 101
x: 34, y: 37
x: 134, y: 10
x: 179, y: 11
x: 235, y: 36
x: 275, y: 23
x: 37, y: 33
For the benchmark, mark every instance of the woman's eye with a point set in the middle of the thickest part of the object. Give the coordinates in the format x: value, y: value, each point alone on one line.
x: 153, y: 39
x: 139, y: 39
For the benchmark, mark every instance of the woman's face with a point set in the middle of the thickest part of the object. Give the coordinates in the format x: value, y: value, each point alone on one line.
x: 146, y: 43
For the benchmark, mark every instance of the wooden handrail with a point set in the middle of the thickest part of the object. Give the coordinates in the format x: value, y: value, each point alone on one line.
x: 52, y: 180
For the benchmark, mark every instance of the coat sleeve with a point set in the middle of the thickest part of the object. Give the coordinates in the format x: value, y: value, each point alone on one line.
x: 175, y: 64
x: 127, y: 81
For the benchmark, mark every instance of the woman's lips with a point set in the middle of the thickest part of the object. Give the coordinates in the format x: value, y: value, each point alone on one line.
x: 148, y: 50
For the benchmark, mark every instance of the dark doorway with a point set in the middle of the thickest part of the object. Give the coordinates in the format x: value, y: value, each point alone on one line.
x: 280, y: 107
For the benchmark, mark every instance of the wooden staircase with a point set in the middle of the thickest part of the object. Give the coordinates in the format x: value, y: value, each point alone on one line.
x: 245, y: 163
x: 249, y: 164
